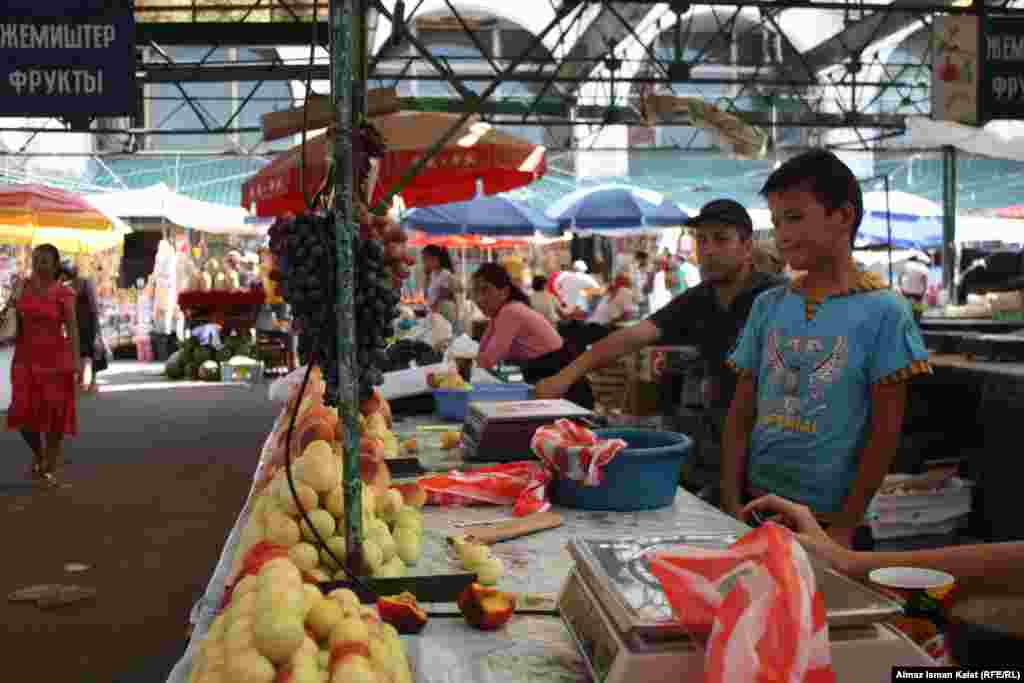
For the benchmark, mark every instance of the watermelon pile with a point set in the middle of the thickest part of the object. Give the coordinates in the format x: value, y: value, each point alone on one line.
x: 195, y: 361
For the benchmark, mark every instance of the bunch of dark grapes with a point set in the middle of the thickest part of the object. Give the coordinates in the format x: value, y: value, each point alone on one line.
x: 376, y: 305
x: 306, y: 267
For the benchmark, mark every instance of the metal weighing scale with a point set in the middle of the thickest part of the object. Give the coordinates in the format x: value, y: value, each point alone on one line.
x: 500, y: 431
x: 622, y: 623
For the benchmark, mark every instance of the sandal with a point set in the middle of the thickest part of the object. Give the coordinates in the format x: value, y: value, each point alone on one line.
x: 50, y: 479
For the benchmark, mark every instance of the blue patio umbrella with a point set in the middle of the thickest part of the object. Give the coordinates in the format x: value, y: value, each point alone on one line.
x: 916, y: 222
x: 615, y: 208
x: 482, y: 216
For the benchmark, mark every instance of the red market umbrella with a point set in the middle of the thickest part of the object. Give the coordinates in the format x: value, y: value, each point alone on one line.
x: 478, y: 152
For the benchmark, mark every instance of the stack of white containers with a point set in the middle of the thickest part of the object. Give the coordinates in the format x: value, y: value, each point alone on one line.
x: 919, y: 513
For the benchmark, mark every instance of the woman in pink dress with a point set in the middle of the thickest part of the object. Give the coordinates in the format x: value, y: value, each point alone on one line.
x: 46, y: 364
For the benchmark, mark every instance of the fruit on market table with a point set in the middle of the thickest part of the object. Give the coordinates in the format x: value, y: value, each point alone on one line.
x: 485, y: 607
x: 281, y: 530
x: 324, y: 616
x: 403, y: 612
x: 412, y: 493
x: 250, y: 666
x: 278, y: 635
x: 322, y: 521
x: 473, y: 555
x: 408, y: 544
x: 305, y: 556
x: 490, y: 570
x: 263, y: 638
x: 450, y: 440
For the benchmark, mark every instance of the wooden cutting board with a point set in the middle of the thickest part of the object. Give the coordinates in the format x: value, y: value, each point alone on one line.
x: 514, y: 528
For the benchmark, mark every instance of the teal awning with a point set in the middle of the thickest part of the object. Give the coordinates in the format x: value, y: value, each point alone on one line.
x: 209, y: 179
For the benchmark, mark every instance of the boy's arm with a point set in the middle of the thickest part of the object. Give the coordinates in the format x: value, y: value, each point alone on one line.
x: 888, y: 402
x: 735, y: 443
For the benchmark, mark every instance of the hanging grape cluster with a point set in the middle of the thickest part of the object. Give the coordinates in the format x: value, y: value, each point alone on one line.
x: 306, y: 268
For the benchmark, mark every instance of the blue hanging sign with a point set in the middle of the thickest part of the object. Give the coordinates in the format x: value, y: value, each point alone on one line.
x: 69, y: 58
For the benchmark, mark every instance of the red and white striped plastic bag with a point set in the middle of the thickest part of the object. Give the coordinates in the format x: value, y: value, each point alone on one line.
x: 574, y: 452
x: 520, y: 484
x: 756, y: 604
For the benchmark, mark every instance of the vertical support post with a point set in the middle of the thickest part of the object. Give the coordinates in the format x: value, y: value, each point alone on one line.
x: 949, y: 162
x: 343, y: 18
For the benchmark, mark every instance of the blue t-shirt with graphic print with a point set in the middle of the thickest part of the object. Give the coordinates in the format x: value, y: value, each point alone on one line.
x: 814, y: 380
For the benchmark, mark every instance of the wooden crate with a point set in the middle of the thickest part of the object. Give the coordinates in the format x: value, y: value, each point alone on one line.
x: 610, y: 386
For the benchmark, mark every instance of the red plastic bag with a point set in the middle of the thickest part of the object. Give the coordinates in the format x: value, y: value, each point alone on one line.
x: 520, y: 484
x: 757, y: 605
x: 574, y: 452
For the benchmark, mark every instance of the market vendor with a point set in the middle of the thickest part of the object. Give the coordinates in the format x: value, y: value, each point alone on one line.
x: 709, y: 316
x: 823, y: 362
x: 521, y: 335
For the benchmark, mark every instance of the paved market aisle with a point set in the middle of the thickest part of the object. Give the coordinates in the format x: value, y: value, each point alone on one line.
x: 157, y: 478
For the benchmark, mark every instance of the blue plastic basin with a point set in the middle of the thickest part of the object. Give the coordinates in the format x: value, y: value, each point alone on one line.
x: 643, y: 476
x: 452, y: 403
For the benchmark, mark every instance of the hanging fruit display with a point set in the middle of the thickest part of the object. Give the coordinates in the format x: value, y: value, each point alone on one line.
x: 306, y: 269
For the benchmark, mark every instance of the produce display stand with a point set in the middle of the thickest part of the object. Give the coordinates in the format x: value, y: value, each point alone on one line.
x: 234, y: 311
x: 535, y: 645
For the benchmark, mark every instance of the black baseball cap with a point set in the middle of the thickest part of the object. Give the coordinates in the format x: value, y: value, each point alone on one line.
x: 723, y: 212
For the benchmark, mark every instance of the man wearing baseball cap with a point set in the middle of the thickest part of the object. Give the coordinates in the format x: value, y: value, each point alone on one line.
x: 709, y: 316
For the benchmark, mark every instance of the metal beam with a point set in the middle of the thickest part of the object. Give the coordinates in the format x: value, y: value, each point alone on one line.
x: 604, y: 29
x: 858, y: 35
x: 233, y: 34
x: 266, y: 71
x: 919, y: 6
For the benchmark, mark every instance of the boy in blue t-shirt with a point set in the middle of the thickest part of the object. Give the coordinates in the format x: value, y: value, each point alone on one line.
x: 823, y: 361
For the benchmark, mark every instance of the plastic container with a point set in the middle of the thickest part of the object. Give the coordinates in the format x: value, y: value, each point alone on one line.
x: 252, y: 373
x: 643, y: 476
x: 452, y: 404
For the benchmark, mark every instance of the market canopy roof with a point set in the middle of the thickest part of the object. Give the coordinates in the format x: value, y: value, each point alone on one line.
x: 160, y: 201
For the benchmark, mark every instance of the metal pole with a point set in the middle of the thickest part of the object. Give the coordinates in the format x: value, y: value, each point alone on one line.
x: 888, y: 227
x: 344, y: 18
x: 949, y: 162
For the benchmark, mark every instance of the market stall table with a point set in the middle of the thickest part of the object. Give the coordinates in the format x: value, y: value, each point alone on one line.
x: 534, y: 646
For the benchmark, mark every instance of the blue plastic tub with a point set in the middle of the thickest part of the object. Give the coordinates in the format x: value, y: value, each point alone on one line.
x: 643, y: 476
x: 452, y: 404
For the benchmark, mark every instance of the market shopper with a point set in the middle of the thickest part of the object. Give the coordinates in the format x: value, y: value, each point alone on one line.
x: 94, y: 359
x: 823, y: 361
x: 46, y: 364
x: 998, y: 565
x: 441, y: 284
x: 543, y: 301
x: 643, y: 282
x: 709, y: 316
x: 521, y: 335
x: 616, y: 306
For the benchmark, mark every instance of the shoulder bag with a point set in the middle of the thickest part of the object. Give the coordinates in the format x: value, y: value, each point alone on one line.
x: 9, y: 317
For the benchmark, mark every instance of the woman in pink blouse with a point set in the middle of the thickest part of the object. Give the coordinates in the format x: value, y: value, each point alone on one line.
x: 520, y: 335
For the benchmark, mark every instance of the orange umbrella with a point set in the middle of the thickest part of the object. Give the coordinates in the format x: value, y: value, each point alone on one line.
x: 478, y: 152
x: 33, y: 206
